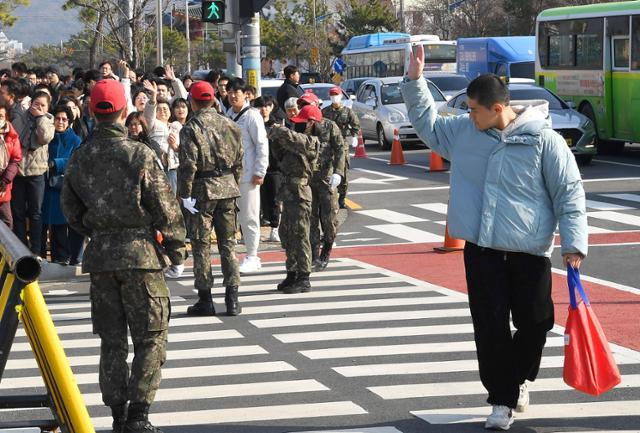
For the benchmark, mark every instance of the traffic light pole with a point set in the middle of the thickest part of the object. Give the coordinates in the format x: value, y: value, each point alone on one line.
x: 233, y: 63
x: 251, y: 52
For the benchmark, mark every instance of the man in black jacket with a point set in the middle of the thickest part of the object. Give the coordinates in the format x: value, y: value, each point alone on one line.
x: 291, y: 87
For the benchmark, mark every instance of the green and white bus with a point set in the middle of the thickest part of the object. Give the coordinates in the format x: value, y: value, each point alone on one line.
x: 590, y: 55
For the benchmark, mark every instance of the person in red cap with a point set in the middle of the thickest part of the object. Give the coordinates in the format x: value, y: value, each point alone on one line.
x: 349, y: 126
x: 324, y: 181
x: 116, y: 194
x: 208, y: 183
x: 309, y: 98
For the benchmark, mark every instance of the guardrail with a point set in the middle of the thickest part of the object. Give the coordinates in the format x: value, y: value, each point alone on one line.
x: 21, y: 300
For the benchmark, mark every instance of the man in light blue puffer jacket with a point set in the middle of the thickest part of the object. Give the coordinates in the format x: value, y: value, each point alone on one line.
x: 513, y: 180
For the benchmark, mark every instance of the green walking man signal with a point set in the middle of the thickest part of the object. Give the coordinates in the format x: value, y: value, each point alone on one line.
x: 213, y: 11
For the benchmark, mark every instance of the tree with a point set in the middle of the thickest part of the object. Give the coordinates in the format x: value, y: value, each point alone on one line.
x: 358, y: 17
x: 6, y: 9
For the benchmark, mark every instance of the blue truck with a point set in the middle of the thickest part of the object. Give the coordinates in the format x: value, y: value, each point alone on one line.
x: 510, y: 56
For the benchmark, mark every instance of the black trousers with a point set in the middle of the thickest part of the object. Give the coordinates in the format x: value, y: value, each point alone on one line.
x: 268, y: 193
x: 66, y: 243
x: 500, y: 283
x: 27, y: 195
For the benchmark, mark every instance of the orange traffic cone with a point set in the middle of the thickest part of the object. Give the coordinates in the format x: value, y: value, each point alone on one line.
x: 436, y: 163
x: 397, y: 157
x: 360, y: 150
x: 450, y: 244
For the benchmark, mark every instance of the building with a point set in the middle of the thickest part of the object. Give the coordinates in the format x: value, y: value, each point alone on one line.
x: 9, y: 49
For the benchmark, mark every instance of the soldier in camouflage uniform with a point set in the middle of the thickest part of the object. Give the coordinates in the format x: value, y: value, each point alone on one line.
x: 296, y: 153
x: 349, y: 126
x: 117, y: 195
x: 324, y: 181
x: 208, y: 175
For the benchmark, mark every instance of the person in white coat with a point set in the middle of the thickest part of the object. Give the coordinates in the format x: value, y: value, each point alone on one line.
x: 254, y: 167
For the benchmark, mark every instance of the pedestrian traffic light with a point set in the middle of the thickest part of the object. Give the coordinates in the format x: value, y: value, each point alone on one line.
x: 213, y: 11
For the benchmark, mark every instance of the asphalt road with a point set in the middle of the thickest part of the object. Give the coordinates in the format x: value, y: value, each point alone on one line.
x: 383, y: 343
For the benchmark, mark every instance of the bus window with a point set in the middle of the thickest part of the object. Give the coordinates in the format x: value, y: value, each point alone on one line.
x: 618, y: 26
x: 635, y: 44
x: 621, y: 53
x: 561, y: 50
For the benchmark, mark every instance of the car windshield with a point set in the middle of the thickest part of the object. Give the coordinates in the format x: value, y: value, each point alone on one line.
x: 391, y: 94
x: 555, y: 103
x: 450, y: 83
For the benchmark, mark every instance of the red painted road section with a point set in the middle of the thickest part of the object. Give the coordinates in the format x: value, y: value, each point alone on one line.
x: 617, y: 310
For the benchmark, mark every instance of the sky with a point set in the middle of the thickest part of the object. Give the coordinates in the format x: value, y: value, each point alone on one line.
x: 43, y: 22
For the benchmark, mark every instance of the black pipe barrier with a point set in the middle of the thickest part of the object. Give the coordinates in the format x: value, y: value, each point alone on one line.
x: 24, y: 401
x: 23, y: 264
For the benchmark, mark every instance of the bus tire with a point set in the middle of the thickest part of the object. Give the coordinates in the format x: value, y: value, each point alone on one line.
x: 383, y: 143
x: 605, y: 147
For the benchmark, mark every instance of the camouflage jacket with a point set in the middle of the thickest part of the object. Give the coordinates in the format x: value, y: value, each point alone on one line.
x: 345, y: 118
x: 296, y: 155
x: 210, y: 157
x: 331, y: 158
x: 115, y: 193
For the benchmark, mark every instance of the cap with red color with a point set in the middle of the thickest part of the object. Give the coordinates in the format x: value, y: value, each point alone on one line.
x: 308, y: 112
x: 335, y: 91
x: 107, y: 96
x: 202, y: 91
x: 308, y: 97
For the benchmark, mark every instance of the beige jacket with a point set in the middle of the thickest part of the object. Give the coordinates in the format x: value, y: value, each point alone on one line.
x: 35, y: 134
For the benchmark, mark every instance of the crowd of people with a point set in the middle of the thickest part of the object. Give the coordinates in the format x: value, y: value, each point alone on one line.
x: 46, y: 116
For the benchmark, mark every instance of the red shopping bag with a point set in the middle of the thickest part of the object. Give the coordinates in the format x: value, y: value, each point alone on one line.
x: 588, y: 363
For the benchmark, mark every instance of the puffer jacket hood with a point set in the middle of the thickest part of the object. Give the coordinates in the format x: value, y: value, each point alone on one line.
x: 532, y: 116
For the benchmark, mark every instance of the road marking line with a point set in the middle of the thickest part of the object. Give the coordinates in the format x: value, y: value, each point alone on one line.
x: 329, y: 283
x: 167, y: 373
x: 390, y: 316
x: 391, y: 216
x: 599, y: 205
x: 627, y: 197
x: 599, y: 409
x: 632, y: 220
x: 386, y: 191
x: 356, y: 334
x: 617, y: 163
x: 222, y: 391
x: 407, y: 233
x: 451, y: 389
x: 611, y: 179
x: 338, y: 305
x: 440, y: 208
x: 248, y: 414
x: 606, y: 283
x: 386, y: 161
x: 352, y: 204
x: 362, y: 430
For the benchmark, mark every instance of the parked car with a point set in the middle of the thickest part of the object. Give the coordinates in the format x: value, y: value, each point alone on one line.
x: 380, y: 107
x: 449, y: 84
x: 351, y: 85
x: 270, y: 86
x: 322, y: 91
x: 576, y: 128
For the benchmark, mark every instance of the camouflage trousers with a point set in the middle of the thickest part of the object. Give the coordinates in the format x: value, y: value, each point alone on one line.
x: 344, y: 184
x: 294, y: 234
x: 324, y: 213
x: 221, y: 216
x: 137, y: 299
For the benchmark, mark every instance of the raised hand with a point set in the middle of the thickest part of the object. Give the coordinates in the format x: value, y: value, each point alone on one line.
x: 169, y: 73
x: 416, y: 63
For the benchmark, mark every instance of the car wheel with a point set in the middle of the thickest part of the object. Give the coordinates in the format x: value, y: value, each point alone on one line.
x: 605, y: 147
x: 584, y: 159
x: 383, y: 143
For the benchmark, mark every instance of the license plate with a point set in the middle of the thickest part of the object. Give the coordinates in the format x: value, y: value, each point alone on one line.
x: 569, y: 141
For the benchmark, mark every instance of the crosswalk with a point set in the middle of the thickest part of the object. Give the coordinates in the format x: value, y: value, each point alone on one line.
x: 424, y: 222
x: 335, y: 360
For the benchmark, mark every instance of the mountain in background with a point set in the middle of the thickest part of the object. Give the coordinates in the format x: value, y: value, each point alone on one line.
x: 43, y: 22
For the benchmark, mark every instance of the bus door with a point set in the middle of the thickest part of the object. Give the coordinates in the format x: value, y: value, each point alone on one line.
x: 621, y: 83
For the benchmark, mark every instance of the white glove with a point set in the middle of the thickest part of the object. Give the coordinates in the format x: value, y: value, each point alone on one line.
x: 189, y: 204
x: 335, y: 180
x: 174, y: 271
x: 354, y: 141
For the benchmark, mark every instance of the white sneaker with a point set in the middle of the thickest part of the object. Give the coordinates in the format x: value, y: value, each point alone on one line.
x: 174, y: 271
x: 501, y: 418
x: 523, y: 398
x: 250, y: 264
x: 274, y: 236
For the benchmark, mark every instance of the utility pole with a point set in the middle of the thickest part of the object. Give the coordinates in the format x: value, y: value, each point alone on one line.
x: 402, y: 24
x: 251, y: 52
x: 230, y: 31
x: 159, y: 44
x: 188, y: 34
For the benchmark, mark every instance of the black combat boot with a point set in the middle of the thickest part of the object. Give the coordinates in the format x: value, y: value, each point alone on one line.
x: 231, y: 300
x: 323, y: 260
x: 138, y: 420
x: 204, y: 306
x: 315, y: 256
x: 289, y: 280
x: 341, y: 202
x: 301, y: 284
x: 119, y: 414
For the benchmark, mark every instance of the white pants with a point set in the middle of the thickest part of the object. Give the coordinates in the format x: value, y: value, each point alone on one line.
x: 249, y: 216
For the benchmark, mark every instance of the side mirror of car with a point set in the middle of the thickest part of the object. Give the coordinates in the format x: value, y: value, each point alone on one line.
x: 571, y: 104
